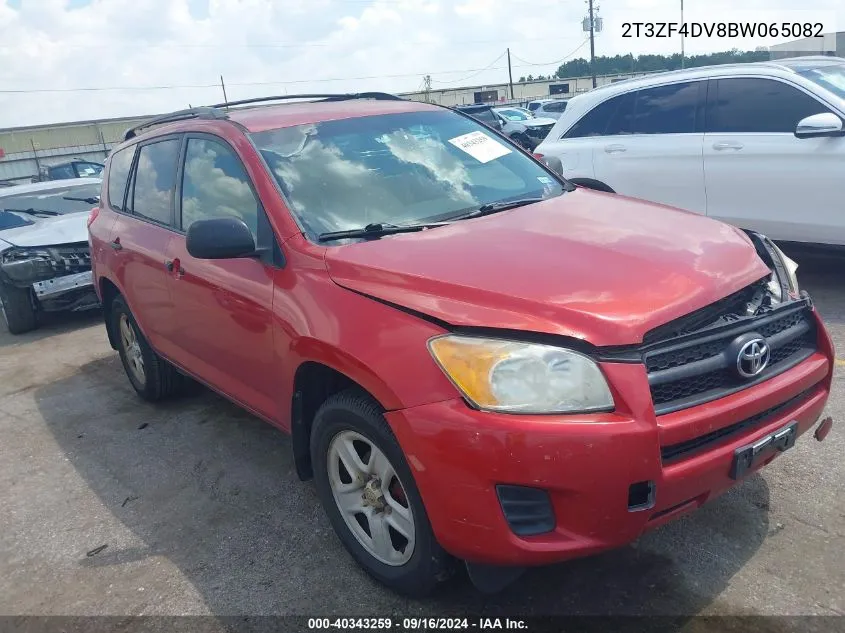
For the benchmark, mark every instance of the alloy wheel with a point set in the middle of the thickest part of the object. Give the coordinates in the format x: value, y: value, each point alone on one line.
x: 132, y: 349
x: 371, y: 498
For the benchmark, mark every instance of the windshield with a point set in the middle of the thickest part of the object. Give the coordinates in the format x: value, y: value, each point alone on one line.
x: 52, y: 200
x: 830, y: 77
x: 397, y: 168
x: 515, y: 115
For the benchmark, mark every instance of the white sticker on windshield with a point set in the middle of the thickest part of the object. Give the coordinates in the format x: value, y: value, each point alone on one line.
x: 480, y: 146
x: 545, y: 180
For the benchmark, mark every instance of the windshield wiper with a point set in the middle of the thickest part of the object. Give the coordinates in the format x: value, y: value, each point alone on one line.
x: 32, y: 211
x: 495, y: 207
x: 88, y: 200
x: 378, y: 229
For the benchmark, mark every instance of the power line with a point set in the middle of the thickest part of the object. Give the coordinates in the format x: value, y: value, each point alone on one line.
x: 478, y: 72
x: 557, y: 61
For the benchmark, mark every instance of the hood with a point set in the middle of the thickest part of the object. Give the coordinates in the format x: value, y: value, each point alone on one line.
x: 540, y: 121
x: 63, y: 229
x: 594, y: 266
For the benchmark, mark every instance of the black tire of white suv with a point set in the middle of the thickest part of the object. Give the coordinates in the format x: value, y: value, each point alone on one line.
x: 17, y: 309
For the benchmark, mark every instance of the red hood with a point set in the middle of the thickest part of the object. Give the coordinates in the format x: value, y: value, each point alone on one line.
x: 598, y: 267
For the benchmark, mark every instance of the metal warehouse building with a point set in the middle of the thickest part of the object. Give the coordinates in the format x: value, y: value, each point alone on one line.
x: 25, y: 150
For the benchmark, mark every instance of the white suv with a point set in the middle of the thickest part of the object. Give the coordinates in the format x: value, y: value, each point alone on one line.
x: 550, y: 108
x: 759, y: 145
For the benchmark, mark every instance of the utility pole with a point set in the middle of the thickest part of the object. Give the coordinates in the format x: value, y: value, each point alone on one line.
x: 682, y: 35
x: 590, y: 25
x: 510, y: 73
x: 427, y: 88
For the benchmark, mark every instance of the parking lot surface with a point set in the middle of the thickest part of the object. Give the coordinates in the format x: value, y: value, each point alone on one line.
x: 109, y: 505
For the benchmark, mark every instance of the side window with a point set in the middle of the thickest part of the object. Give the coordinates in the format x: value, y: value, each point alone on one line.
x: 667, y: 109
x: 155, y: 177
x: 757, y: 105
x: 610, y: 118
x: 215, y: 184
x: 121, y: 163
x: 533, y: 106
x: 556, y: 107
x: 62, y: 172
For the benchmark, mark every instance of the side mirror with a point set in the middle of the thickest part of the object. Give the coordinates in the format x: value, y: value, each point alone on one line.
x: 819, y: 125
x: 220, y: 238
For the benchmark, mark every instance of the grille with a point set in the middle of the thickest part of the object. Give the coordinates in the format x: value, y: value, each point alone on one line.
x: 540, y: 131
x: 701, y: 369
x: 74, y: 258
x: 686, y: 449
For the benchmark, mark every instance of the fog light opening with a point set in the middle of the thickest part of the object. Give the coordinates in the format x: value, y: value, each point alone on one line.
x: 641, y: 496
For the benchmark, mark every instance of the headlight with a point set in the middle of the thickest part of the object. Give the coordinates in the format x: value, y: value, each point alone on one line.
x: 24, y: 265
x: 514, y: 377
x: 784, y: 273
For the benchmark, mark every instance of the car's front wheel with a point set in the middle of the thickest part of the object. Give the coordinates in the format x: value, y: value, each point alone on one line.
x: 369, y: 494
x: 17, y: 310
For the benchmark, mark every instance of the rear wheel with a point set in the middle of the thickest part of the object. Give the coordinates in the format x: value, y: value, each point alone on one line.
x: 17, y: 309
x: 369, y: 494
x: 152, y: 377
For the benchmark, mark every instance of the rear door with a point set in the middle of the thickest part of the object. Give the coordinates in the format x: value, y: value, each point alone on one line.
x: 223, y: 308
x: 140, y: 237
x: 759, y: 175
x: 652, y: 148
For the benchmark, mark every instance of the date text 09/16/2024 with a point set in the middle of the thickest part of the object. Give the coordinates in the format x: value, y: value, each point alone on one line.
x: 416, y: 624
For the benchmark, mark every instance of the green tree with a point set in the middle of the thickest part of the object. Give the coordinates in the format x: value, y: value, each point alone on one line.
x: 621, y: 64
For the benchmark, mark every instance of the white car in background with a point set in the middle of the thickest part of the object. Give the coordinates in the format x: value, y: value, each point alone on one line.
x: 759, y: 145
x: 550, y: 108
x: 45, y: 262
x: 522, y: 127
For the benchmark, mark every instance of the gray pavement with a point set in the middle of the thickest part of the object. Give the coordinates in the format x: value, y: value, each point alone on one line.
x: 200, y: 511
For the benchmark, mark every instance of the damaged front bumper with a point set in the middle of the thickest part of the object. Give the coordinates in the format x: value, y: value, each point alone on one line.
x: 59, y: 277
x: 70, y: 292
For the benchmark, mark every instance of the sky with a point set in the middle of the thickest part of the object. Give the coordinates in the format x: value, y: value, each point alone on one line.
x: 65, y: 60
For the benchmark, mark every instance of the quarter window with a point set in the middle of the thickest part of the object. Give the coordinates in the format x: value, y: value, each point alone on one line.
x: 155, y: 177
x: 121, y: 163
x: 666, y: 109
x: 757, y: 105
x: 216, y: 185
x: 609, y: 118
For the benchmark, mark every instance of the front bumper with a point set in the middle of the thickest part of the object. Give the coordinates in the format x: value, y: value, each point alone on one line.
x: 587, y: 464
x: 69, y: 292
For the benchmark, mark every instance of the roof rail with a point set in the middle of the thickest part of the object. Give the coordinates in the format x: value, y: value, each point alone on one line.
x: 180, y: 115
x: 378, y: 96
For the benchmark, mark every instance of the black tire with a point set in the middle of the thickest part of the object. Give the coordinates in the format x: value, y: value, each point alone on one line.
x: 161, y: 380
x: 353, y: 410
x: 17, y: 309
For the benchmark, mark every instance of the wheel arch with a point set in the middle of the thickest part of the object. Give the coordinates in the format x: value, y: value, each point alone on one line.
x: 314, y: 381
x: 109, y: 291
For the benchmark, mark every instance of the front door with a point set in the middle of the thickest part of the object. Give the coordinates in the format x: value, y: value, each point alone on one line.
x: 759, y: 175
x: 223, y: 308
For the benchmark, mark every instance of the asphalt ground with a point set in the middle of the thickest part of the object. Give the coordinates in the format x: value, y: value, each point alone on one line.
x: 111, y: 506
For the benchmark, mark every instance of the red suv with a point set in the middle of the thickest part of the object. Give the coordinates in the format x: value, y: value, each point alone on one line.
x: 476, y: 360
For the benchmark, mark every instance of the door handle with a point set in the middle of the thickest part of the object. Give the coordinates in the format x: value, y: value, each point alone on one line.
x: 615, y: 149
x: 116, y: 245
x: 723, y: 146
x: 174, y: 264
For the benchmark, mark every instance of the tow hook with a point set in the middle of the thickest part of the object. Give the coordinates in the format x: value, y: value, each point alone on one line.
x: 823, y: 429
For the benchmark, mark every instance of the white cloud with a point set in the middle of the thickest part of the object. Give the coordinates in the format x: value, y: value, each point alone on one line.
x: 278, y: 46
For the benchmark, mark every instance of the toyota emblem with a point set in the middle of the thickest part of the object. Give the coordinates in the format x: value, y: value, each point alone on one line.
x: 753, y: 358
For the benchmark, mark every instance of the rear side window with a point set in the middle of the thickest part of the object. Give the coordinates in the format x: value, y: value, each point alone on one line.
x: 533, y: 106
x: 609, y: 118
x: 61, y: 172
x: 757, y: 105
x: 667, y: 109
x: 155, y: 178
x: 121, y: 163
x: 215, y: 184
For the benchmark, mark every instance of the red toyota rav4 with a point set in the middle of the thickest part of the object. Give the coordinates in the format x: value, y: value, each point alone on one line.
x: 476, y: 360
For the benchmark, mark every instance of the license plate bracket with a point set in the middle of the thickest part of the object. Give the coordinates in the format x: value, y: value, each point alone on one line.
x: 747, y: 457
